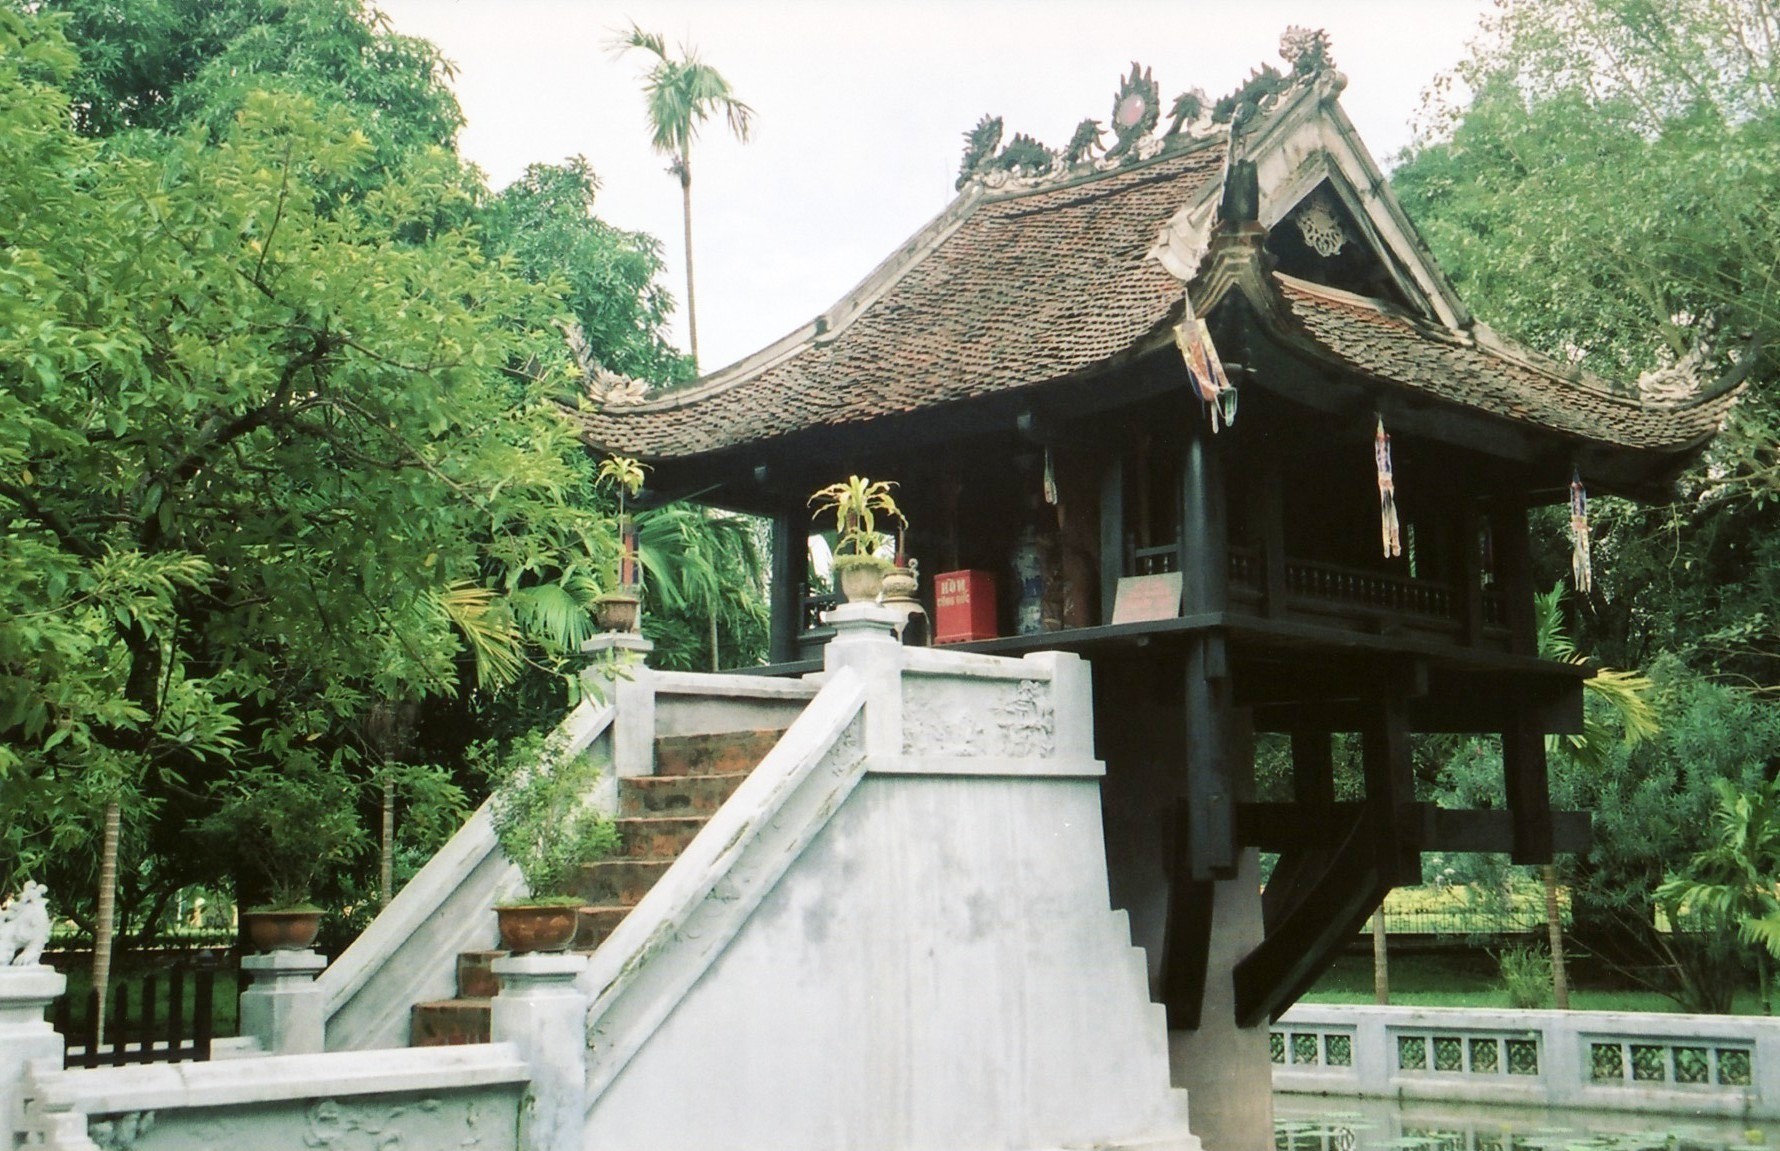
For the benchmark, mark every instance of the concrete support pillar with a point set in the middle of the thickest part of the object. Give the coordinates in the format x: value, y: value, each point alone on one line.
x: 25, y: 993
x: 865, y: 640
x: 542, y: 1013
x: 1226, y: 1068
x: 284, y: 1009
x: 618, y: 676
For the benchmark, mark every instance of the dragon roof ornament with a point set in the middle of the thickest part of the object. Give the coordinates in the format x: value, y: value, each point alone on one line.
x: 1137, y: 112
x: 602, y: 386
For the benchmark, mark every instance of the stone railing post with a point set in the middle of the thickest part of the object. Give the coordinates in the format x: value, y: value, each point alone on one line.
x: 543, y: 1014
x: 284, y: 1010
x: 25, y: 993
x: 619, y: 677
x: 865, y: 640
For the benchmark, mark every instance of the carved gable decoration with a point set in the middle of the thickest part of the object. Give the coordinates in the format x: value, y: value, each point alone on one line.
x: 1321, y: 241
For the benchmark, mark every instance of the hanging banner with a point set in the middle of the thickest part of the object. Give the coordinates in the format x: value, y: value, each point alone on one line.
x: 1387, y: 494
x: 1214, y: 389
x: 1581, y: 562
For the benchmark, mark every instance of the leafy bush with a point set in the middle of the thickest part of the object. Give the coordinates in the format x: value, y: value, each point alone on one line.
x: 543, y: 818
x: 1526, y: 976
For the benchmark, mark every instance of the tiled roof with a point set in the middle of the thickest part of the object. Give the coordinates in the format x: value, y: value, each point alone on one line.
x: 1027, y: 287
x: 1431, y: 360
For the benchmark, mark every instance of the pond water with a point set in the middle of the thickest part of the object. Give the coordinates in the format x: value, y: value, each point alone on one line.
x: 1316, y: 1123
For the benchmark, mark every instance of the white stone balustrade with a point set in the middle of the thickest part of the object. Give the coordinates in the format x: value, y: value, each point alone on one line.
x: 1614, y: 1061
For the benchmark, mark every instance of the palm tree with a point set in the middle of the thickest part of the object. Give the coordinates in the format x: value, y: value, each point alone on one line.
x: 681, y: 94
x: 1625, y: 696
x: 1733, y: 881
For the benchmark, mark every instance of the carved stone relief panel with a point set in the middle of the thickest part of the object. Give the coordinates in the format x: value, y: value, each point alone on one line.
x: 955, y: 716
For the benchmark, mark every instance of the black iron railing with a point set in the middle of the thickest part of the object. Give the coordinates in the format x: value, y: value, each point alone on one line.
x: 150, y: 1035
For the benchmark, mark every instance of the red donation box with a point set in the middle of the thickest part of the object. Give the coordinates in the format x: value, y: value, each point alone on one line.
x: 964, y: 606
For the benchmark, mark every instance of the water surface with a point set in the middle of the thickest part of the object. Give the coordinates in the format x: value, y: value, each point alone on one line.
x: 1316, y: 1123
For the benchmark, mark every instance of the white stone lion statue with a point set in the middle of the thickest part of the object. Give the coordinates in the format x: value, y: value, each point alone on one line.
x: 24, y: 926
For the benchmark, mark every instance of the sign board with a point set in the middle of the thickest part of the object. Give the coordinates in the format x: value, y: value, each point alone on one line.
x: 1141, y: 598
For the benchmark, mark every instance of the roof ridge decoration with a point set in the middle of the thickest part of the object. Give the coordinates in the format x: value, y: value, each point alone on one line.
x: 1137, y: 110
x: 599, y: 383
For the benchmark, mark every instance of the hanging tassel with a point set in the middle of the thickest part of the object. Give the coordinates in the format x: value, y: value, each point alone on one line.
x: 1205, y: 369
x: 1581, y: 565
x: 1050, y: 479
x: 1390, y: 530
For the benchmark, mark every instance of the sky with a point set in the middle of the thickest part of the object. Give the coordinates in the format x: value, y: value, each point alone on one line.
x: 861, y: 108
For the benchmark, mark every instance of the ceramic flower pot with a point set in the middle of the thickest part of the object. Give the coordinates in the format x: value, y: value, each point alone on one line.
x: 283, y: 930
x: 861, y: 580
x: 537, y: 927
x: 618, y: 611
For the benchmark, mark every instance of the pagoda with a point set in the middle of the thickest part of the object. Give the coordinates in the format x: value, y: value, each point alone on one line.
x: 1206, y: 388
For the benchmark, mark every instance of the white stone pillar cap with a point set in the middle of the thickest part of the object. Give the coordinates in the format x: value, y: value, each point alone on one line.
x: 617, y: 641
x: 284, y: 964
x: 32, y: 982
x: 544, y: 966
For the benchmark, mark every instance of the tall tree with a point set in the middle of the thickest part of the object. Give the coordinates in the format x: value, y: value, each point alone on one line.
x: 681, y: 93
x: 277, y: 440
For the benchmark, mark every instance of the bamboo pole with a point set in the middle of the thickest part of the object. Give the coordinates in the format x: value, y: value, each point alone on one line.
x: 1381, y: 978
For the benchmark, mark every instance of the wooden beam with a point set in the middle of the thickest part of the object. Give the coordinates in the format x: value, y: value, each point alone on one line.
x: 1313, y: 768
x: 1470, y: 572
x: 1514, y: 571
x: 1289, y: 827
x: 1298, y: 949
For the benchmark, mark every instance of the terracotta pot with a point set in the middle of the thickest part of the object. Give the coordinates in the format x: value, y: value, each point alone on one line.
x: 618, y: 611
x: 537, y: 927
x: 282, y: 930
x: 860, y: 583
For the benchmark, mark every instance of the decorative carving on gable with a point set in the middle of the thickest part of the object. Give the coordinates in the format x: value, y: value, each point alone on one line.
x: 1321, y: 227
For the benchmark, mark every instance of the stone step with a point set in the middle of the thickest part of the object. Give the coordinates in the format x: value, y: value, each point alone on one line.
x: 676, y: 794
x: 449, y: 1022
x: 658, y: 837
x: 475, y: 980
x: 595, y: 923
x: 619, y: 881
x: 722, y: 753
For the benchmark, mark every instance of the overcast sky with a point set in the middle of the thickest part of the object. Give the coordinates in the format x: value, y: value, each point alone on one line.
x: 861, y: 110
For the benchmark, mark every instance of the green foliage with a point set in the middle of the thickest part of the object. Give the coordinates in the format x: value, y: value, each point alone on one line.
x: 290, y: 823
x: 855, y: 505
x: 1526, y: 977
x: 544, y: 223
x: 707, y: 607
x: 279, y: 438
x: 1730, y: 884
x: 542, y: 816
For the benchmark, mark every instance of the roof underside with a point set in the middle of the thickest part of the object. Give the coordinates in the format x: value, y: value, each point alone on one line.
x: 1015, y: 290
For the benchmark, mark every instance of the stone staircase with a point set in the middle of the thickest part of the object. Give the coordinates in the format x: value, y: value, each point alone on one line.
x: 658, y: 815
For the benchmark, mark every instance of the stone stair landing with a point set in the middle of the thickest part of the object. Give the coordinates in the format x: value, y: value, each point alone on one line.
x: 658, y: 815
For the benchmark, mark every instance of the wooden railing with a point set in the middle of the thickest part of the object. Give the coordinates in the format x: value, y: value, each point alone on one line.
x: 142, y: 1038
x: 1369, y: 589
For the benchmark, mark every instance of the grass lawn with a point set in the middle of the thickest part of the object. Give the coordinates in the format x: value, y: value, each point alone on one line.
x: 1470, y: 979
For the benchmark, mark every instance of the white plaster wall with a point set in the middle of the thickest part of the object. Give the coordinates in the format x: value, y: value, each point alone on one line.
x: 939, y: 969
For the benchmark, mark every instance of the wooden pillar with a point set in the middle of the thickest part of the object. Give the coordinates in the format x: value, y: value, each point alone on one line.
x: 1514, y: 570
x: 1390, y: 787
x: 1529, y: 795
x: 1313, y: 767
x: 1273, y: 537
x: 1204, y: 566
x: 790, y: 562
x: 1470, y: 573
x: 1112, y: 533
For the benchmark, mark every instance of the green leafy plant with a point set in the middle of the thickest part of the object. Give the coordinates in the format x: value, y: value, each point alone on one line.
x: 856, y: 506
x: 1526, y: 976
x: 291, y: 824
x: 544, y: 822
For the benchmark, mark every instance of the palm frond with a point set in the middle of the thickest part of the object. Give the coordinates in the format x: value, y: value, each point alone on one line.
x: 487, y: 625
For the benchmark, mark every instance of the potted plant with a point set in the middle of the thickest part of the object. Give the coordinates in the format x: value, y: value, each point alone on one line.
x: 619, y: 608
x: 856, y: 504
x: 289, y: 824
x: 546, y: 826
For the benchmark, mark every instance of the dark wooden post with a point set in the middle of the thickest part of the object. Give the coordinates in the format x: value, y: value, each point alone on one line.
x: 790, y: 544
x: 1272, y: 522
x: 1470, y: 573
x: 1112, y: 533
x: 1529, y: 795
x: 1204, y: 567
x: 1390, y: 786
x: 1514, y: 570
